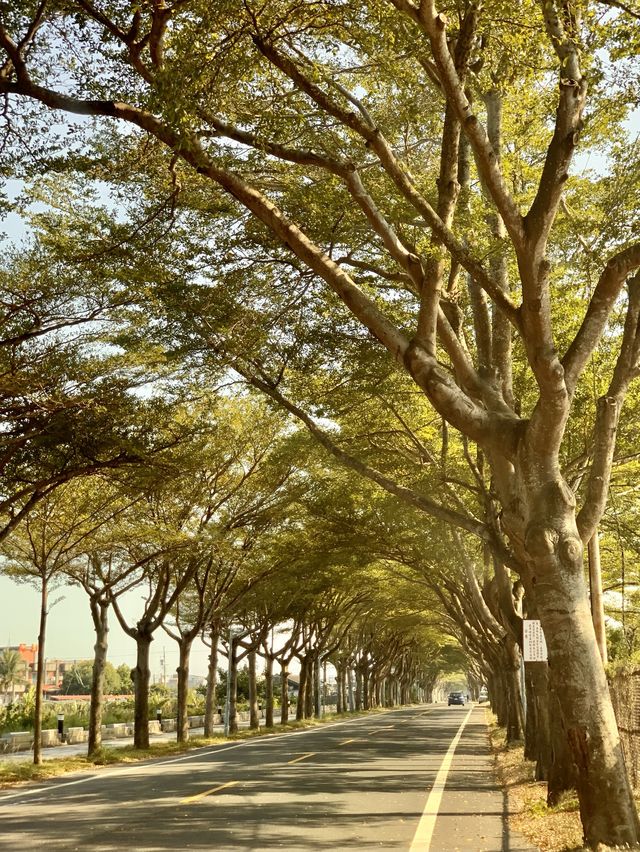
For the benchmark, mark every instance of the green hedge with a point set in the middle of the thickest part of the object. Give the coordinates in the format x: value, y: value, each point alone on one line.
x: 18, y: 716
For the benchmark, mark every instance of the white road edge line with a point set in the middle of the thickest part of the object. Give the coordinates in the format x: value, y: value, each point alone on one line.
x: 422, y: 839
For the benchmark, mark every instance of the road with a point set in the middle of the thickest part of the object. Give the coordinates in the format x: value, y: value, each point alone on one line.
x: 377, y: 782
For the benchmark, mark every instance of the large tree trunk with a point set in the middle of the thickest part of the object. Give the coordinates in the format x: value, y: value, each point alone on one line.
x: 182, y: 721
x: 141, y: 679
x: 366, y: 697
x: 211, y: 703
x: 395, y: 692
x: 310, y: 691
x: 302, y: 688
x: 405, y: 691
x: 501, y: 703
x: 284, y: 693
x: 317, y: 697
x: 254, y: 717
x: 576, y: 673
x: 40, y: 676
x: 493, y: 689
x: 513, y: 691
x: 515, y: 728
x: 340, y: 702
x: 545, y: 740
x: 428, y: 692
x: 233, y: 689
x: 537, y: 744
x: 561, y: 775
x: 268, y: 692
x: 99, y: 614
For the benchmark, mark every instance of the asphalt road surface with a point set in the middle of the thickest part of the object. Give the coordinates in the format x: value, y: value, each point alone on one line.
x: 415, y: 779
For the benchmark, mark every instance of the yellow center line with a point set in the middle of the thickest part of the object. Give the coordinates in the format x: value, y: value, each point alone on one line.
x: 208, y: 792
x: 378, y: 730
x: 302, y: 757
x: 345, y: 742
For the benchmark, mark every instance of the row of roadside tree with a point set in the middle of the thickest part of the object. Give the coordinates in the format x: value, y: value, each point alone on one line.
x: 323, y: 320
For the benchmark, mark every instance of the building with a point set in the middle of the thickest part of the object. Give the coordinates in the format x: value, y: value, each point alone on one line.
x: 194, y: 681
x: 53, y: 671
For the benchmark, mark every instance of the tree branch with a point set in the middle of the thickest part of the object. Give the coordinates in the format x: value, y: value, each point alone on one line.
x: 600, y: 306
x: 433, y: 24
x: 376, y: 141
x: 573, y: 90
x: 407, y: 495
x: 608, y: 415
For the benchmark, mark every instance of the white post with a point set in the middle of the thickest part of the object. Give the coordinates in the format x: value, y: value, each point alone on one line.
x: 227, y: 703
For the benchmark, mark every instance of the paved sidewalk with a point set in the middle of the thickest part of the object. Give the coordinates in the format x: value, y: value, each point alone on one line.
x: 474, y: 812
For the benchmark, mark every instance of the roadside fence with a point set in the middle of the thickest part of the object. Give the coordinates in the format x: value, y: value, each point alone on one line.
x: 625, y: 695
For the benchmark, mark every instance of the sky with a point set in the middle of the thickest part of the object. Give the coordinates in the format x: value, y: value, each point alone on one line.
x: 70, y: 633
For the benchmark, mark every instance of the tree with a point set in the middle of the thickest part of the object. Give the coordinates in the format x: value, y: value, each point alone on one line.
x: 50, y: 539
x: 352, y: 79
x: 248, y: 482
x: 11, y: 671
x: 66, y: 404
x: 124, y: 673
x: 105, y: 576
x: 78, y: 679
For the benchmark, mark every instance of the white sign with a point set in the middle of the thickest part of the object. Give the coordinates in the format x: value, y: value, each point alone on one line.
x: 533, y: 644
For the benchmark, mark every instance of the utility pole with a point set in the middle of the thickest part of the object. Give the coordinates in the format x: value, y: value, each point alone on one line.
x: 597, y: 603
x: 352, y: 704
x: 324, y: 686
x: 163, y: 663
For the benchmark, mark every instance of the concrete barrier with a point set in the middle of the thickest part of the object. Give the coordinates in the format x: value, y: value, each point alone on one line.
x: 23, y: 740
x: 50, y: 737
x: 76, y: 735
x: 20, y: 740
x: 116, y: 730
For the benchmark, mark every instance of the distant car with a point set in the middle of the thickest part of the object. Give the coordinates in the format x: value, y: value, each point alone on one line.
x: 455, y: 698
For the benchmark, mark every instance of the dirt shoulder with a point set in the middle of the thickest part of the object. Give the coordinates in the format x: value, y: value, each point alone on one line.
x: 556, y: 829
